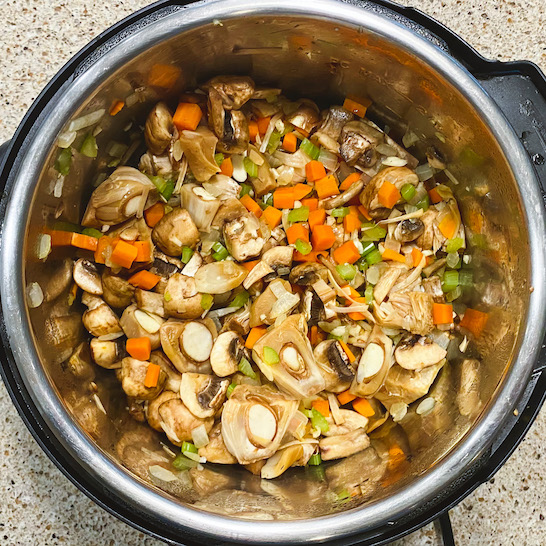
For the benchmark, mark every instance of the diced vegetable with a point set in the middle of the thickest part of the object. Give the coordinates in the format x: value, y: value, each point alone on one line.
x: 348, y: 351
x: 250, y: 265
x: 144, y: 280
x: 326, y: 187
x: 246, y: 369
x: 102, y: 245
x: 442, y: 313
x: 474, y: 321
x: 188, y: 447
x: 89, y: 146
x: 92, y: 232
x: 187, y: 253
x: 250, y: 167
x: 254, y: 335
x: 371, y: 232
x: 312, y: 204
x: 367, y: 247
x: 152, y: 376
x: 206, y: 301
x: 389, y: 254
x: 374, y: 257
x: 448, y: 226
x: 84, y: 242
x: 124, y: 254
x: 295, y: 232
x: 408, y: 192
x: 345, y: 397
x: 349, y: 181
x: 368, y: 294
x: 416, y: 256
x: 230, y: 389
x: 271, y: 356
x: 314, y: 170
x: 323, y: 237
x: 316, y: 218
x: 465, y: 278
x: 322, y: 406
x: 314, y: 460
x: 346, y: 253
x: 301, y: 214
x: 226, y: 167
x: 423, y: 203
x: 139, y: 347
x: 283, y: 198
x: 219, y: 158
x: 240, y: 299
x: 163, y: 75
x: 319, y: 421
x: 351, y: 223
x: 252, y: 130
x: 388, y: 195
x: 453, y: 245
x: 362, y: 406
x: 301, y: 190
x: 303, y: 247
x: 187, y: 116
x: 346, y: 271
x: 272, y: 216
x: 357, y: 106
x: 434, y: 196
x: 63, y: 162
x: 245, y: 190
x: 450, y: 281
x: 181, y: 462
x: 340, y: 212
x: 263, y: 124
x: 290, y: 142
x: 116, y: 107
x: 164, y: 187
x: 274, y: 142
x: 153, y: 214
x: 310, y: 149
x: 220, y: 252
x: 251, y: 205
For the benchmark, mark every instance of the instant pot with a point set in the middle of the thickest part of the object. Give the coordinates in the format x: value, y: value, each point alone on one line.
x: 484, y: 118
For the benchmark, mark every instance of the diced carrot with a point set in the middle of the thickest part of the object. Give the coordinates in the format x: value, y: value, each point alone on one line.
x: 364, y: 212
x: 301, y: 190
x: 227, y: 167
x: 396, y: 452
x: 144, y: 251
x: 435, y: 197
x: 283, y: 198
x: 104, y: 243
x: 139, y: 347
x: 322, y: 406
x: 144, y: 279
x: 290, y: 142
x: 357, y: 106
x: 252, y: 130
x: 347, y: 253
x: 313, y: 335
x: 442, y: 313
x: 326, y: 187
x: 85, y: 241
x: 163, y: 75
x: 311, y: 203
x: 349, y: 181
x: 60, y: 238
x: 263, y: 124
x: 152, y: 375
x: 323, y: 237
x: 254, y: 335
x: 389, y: 254
x: 116, y: 107
x: 351, y: 223
x: 416, y: 256
x: 447, y: 226
x: 187, y: 116
x: 316, y: 218
x: 388, y: 195
x: 475, y: 221
x: 356, y: 315
x: 350, y: 291
x: 153, y: 214
x: 362, y: 406
x: 295, y: 232
x: 272, y: 217
x: 311, y: 257
x: 474, y: 321
x: 251, y: 205
x: 314, y: 170
x: 250, y: 265
x: 345, y: 397
x: 124, y: 254
x: 348, y: 351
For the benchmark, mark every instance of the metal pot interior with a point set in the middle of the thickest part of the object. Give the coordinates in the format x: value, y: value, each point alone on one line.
x: 324, y: 60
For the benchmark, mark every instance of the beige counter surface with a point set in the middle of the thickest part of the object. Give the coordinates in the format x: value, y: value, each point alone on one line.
x: 38, y: 505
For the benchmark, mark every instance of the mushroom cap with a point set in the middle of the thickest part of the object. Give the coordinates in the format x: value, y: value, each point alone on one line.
x: 87, y: 277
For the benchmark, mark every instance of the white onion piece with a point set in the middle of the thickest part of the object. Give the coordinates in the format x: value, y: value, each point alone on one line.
x: 219, y: 277
x: 284, y: 304
x: 334, y: 408
x: 449, y: 174
x: 99, y: 404
x: 86, y: 121
x: 43, y: 246
x: 426, y: 406
x: 394, y: 161
x: 200, y: 437
x: 64, y: 140
x: 268, y: 132
x: 218, y: 313
x: 150, y: 323
x: 398, y: 411
x: 161, y: 473
x: 35, y: 296
x: 385, y: 149
x: 410, y: 138
x: 58, y: 188
x: 328, y: 159
x: 424, y: 172
x: 239, y: 172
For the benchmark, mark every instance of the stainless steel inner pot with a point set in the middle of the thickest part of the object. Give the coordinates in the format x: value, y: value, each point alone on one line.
x: 324, y: 50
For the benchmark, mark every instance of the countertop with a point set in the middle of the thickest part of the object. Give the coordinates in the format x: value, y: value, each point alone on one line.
x: 38, y: 505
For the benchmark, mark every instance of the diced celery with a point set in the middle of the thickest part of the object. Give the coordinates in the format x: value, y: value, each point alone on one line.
x: 368, y: 294
x: 188, y: 447
x: 340, y: 212
x: 315, y: 460
x: 300, y: 214
x: 89, y: 146
x: 423, y: 203
x: 408, y: 191
x: 450, y: 281
x: 453, y: 245
x: 271, y: 356
x: 346, y: 271
x: 303, y: 247
x: 219, y: 158
x: 309, y: 148
x: 246, y: 369
x: 319, y: 421
x: 250, y: 167
x: 245, y: 190
x: 374, y: 257
x: 92, y: 232
x: 206, y: 301
x: 64, y: 160
x: 240, y: 299
x: 187, y: 253
x: 367, y: 247
x: 230, y: 389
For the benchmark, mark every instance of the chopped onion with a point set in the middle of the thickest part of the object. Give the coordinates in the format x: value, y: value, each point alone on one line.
x: 200, y: 437
x: 150, y: 323
x: 449, y: 174
x: 464, y: 344
x: 99, y: 404
x: 385, y: 149
x: 35, y: 296
x: 201, y: 205
x: 398, y: 411
x: 452, y: 259
x: 111, y: 337
x: 441, y: 339
x: 58, y: 188
x: 278, y: 289
x: 424, y: 172
x: 284, y: 304
x: 394, y: 161
x: 222, y: 186
x: 328, y: 159
x: 426, y: 406
x: 268, y: 132
x: 86, y: 121
x: 190, y: 269
x: 285, y: 175
x: 239, y: 172
x: 181, y: 175
x: 372, y: 274
x: 256, y: 158
x: 43, y: 246
x: 410, y: 138
x: 334, y: 408
x: 161, y: 473
x: 65, y: 139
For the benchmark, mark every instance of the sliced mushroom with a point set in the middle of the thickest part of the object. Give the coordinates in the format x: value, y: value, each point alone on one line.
x: 178, y: 421
x: 108, y: 354
x: 174, y: 231
x: 308, y: 273
x: 435, y: 159
x: 351, y: 421
x: 229, y: 210
x: 216, y: 451
x: 374, y: 364
x: 337, y: 447
x: 281, y: 461
x: 334, y: 365
x: 334, y: 120
x: 200, y: 204
x: 187, y: 344
x: 62, y: 334
x: 244, y: 237
x: 99, y: 319
x: 181, y: 298
x: 80, y: 364
x: 136, y: 323
x: 219, y: 277
x: 305, y: 117
x: 433, y: 286
x: 58, y: 280
x: 233, y: 90
x: 117, y: 291
x: 199, y: 147
x: 133, y: 374
x: 387, y: 280
x: 226, y: 353
x: 296, y: 372
x: 261, y: 310
x: 265, y: 182
x: 358, y: 141
x: 238, y: 322
x: 254, y: 421
x: 121, y: 196
x: 203, y: 394
x: 87, y: 277
x: 468, y: 392
x: 344, y: 197
x: 312, y: 308
x: 274, y: 261
x: 409, y: 230
x: 150, y: 302
x: 418, y: 352
x: 152, y: 412
x: 235, y: 135
x: 159, y: 128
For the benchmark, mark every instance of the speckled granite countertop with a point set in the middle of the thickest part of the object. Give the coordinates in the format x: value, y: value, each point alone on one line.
x: 38, y: 505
